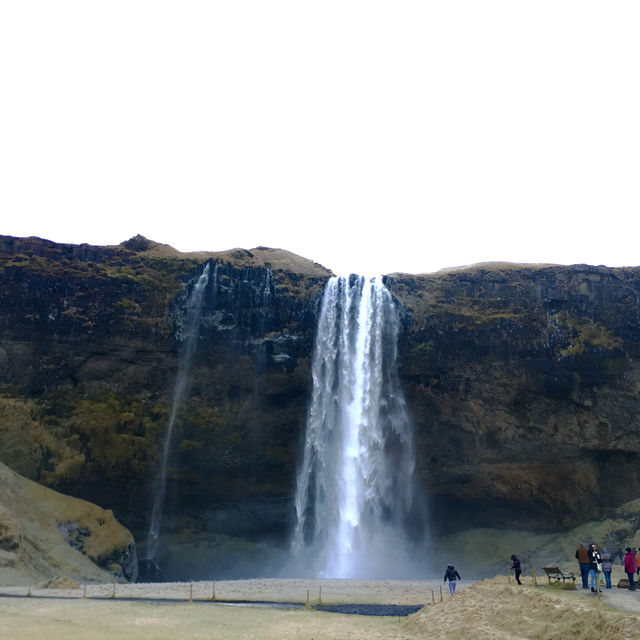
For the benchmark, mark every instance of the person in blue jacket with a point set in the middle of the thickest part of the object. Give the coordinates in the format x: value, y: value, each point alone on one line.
x: 515, y: 565
x: 451, y: 575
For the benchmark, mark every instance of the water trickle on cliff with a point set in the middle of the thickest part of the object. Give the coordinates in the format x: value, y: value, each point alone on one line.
x: 190, y: 341
x: 355, y: 485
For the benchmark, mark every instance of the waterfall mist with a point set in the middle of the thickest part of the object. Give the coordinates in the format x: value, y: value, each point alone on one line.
x: 355, y: 499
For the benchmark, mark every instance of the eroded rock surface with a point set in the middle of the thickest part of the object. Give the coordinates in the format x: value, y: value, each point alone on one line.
x: 523, y: 382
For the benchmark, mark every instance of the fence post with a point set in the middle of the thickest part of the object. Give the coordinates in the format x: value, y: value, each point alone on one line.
x: 440, y: 593
x: 84, y: 591
x: 191, y: 593
x: 113, y: 593
x: 533, y: 575
x: 306, y: 606
x: 508, y: 574
x: 320, y: 594
x: 433, y: 598
x: 213, y: 591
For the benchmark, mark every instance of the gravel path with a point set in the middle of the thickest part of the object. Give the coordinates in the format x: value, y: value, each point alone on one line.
x: 301, y: 591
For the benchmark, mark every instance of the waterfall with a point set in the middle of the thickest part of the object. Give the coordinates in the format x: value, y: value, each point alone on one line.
x: 190, y: 340
x: 355, y: 485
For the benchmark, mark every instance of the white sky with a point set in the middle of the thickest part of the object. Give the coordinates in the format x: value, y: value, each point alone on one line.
x: 368, y: 136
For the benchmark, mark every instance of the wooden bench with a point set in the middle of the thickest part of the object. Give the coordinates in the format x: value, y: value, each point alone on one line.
x: 556, y: 573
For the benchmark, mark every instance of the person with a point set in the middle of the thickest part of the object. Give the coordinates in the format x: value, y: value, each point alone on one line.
x: 582, y: 556
x: 594, y: 560
x: 630, y: 567
x: 515, y: 565
x: 452, y: 575
x: 607, y: 566
x: 638, y: 562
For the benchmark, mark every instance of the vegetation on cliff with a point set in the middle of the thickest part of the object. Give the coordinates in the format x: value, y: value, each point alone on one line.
x: 522, y: 382
x: 90, y: 341
x: 47, y: 535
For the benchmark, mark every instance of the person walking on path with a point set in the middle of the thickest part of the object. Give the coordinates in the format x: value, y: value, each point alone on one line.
x: 451, y: 575
x: 515, y: 565
x: 630, y: 567
x: 594, y: 560
x: 607, y: 566
x: 638, y: 563
x: 582, y: 555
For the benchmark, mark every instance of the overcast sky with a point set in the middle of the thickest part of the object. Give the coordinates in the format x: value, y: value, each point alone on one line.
x: 368, y: 136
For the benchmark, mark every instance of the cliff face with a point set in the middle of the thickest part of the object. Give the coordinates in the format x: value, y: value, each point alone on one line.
x: 89, y: 349
x: 523, y: 384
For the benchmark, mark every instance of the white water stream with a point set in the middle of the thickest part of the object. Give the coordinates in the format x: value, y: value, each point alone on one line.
x: 355, y: 485
x: 190, y: 340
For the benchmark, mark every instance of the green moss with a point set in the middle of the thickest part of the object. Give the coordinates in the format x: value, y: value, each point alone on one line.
x: 128, y: 305
x: 111, y: 436
x: 190, y: 445
x: 585, y: 333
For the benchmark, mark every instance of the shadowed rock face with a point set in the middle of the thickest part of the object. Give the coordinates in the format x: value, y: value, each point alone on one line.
x: 524, y: 384
x: 90, y: 340
x: 522, y: 381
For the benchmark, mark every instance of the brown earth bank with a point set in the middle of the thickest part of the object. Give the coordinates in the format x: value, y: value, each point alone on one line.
x: 522, y: 381
x: 46, y: 537
x: 490, y: 609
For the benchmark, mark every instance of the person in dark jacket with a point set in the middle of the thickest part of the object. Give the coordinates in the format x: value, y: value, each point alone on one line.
x: 451, y: 575
x: 582, y: 555
x: 630, y: 567
x: 515, y: 565
x: 594, y: 571
x: 607, y: 566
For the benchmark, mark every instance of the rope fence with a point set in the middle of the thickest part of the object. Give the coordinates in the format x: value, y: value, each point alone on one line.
x: 207, y: 592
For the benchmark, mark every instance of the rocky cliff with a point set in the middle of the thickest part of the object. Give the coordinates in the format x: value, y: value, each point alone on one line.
x: 524, y: 385
x: 522, y: 381
x: 90, y: 343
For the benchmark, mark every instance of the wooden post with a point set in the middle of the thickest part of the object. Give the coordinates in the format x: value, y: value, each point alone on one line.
x: 320, y: 594
x: 29, y: 592
x: 433, y: 598
x: 440, y: 593
x: 306, y: 606
x: 213, y: 592
x: 191, y: 593
x: 508, y: 574
x: 84, y: 591
x: 113, y: 594
x: 533, y: 575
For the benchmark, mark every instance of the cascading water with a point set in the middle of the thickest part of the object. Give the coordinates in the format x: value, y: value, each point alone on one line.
x: 355, y: 486
x: 190, y: 340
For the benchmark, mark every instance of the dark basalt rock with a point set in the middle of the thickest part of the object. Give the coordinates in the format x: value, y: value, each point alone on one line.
x: 90, y: 343
x: 123, y: 563
x: 523, y: 386
x: 522, y: 383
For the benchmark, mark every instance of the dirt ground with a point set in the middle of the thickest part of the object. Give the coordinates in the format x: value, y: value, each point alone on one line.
x: 489, y: 609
